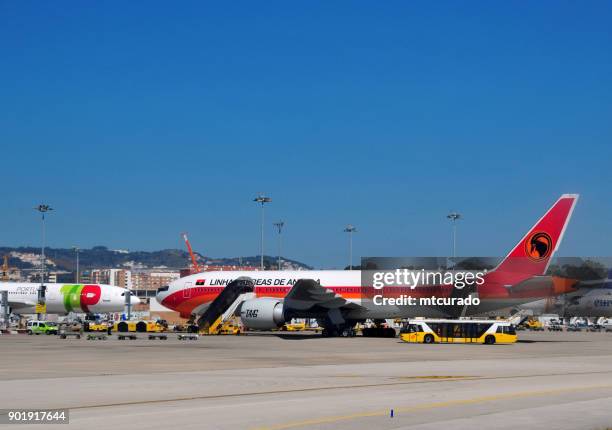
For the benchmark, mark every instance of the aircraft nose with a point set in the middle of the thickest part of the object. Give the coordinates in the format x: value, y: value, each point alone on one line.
x: 134, y: 300
x: 162, y: 293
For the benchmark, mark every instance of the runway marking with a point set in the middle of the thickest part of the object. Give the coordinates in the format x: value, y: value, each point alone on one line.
x: 440, y: 377
x: 313, y: 389
x: 428, y: 406
x: 254, y: 393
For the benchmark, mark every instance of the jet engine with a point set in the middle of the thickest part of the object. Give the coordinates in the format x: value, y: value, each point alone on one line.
x: 264, y: 313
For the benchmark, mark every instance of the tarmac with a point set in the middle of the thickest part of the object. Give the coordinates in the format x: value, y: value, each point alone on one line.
x: 295, y: 381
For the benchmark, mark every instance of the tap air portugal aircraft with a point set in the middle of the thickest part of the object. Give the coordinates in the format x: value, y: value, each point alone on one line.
x: 337, y: 299
x: 65, y: 298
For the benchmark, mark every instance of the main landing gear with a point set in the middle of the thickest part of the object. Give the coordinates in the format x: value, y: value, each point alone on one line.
x: 343, y: 330
x: 379, y: 330
x: 348, y: 330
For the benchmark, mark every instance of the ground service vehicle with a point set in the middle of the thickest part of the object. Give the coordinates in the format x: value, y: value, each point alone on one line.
x: 458, y: 331
x: 534, y: 325
x: 93, y: 326
x: 41, y: 327
x: 294, y: 326
x: 230, y: 328
x: 139, y: 327
x: 125, y: 326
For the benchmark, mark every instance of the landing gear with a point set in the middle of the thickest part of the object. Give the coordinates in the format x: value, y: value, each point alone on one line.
x: 344, y: 330
x: 191, y: 325
x: 379, y: 329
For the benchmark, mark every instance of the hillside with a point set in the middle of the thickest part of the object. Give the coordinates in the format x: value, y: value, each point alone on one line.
x: 100, y: 257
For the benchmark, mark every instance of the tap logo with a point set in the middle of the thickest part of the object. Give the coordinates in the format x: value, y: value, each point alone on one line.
x: 538, y: 246
x: 80, y: 296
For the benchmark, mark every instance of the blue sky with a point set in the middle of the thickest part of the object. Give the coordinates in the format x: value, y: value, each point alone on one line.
x: 137, y: 121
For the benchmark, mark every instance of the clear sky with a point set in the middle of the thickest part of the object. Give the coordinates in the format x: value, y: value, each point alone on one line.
x: 139, y: 120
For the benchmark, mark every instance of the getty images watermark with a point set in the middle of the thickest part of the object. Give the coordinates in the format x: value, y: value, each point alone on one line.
x: 413, y: 278
x: 421, y: 281
x: 446, y: 281
x: 402, y: 287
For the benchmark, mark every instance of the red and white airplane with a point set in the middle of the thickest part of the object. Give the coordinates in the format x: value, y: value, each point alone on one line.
x: 337, y: 299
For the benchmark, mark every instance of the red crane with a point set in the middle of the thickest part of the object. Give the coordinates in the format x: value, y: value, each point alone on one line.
x: 195, y: 268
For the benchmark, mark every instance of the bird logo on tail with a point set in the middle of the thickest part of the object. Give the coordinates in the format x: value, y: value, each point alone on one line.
x: 538, y: 246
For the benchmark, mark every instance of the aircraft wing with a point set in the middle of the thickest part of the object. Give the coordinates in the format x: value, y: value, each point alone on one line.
x: 21, y: 304
x: 308, y: 294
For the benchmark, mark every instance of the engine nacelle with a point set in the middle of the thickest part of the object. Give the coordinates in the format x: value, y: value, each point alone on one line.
x: 265, y: 313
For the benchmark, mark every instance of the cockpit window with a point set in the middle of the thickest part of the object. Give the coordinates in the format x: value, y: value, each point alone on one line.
x: 164, y: 288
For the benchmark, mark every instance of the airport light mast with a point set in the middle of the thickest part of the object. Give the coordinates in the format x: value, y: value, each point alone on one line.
x: 43, y: 209
x: 76, y: 250
x: 454, y: 216
x: 350, y: 229
x: 279, y: 225
x: 263, y: 200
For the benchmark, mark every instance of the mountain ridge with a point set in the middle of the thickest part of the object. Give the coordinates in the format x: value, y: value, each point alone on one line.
x: 101, y: 257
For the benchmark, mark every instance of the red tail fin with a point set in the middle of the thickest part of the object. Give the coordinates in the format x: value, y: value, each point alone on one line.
x: 531, y: 256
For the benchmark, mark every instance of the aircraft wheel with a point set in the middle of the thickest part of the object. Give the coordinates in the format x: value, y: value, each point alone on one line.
x: 329, y: 332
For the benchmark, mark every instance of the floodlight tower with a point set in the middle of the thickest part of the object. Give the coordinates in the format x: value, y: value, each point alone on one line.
x: 76, y: 250
x: 454, y: 216
x: 350, y: 229
x: 279, y: 226
x: 263, y: 200
x: 43, y: 209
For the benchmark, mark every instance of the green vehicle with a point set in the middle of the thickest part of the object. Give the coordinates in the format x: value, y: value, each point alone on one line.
x: 42, y: 327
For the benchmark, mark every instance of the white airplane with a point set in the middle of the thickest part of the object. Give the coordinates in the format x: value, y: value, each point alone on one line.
x: 338, y: 299
x: 64, y: 298
x: 591, y: 299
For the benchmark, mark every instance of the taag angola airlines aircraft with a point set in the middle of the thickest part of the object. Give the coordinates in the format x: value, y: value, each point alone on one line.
x: 338, y: 301
x: 64, y: 298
